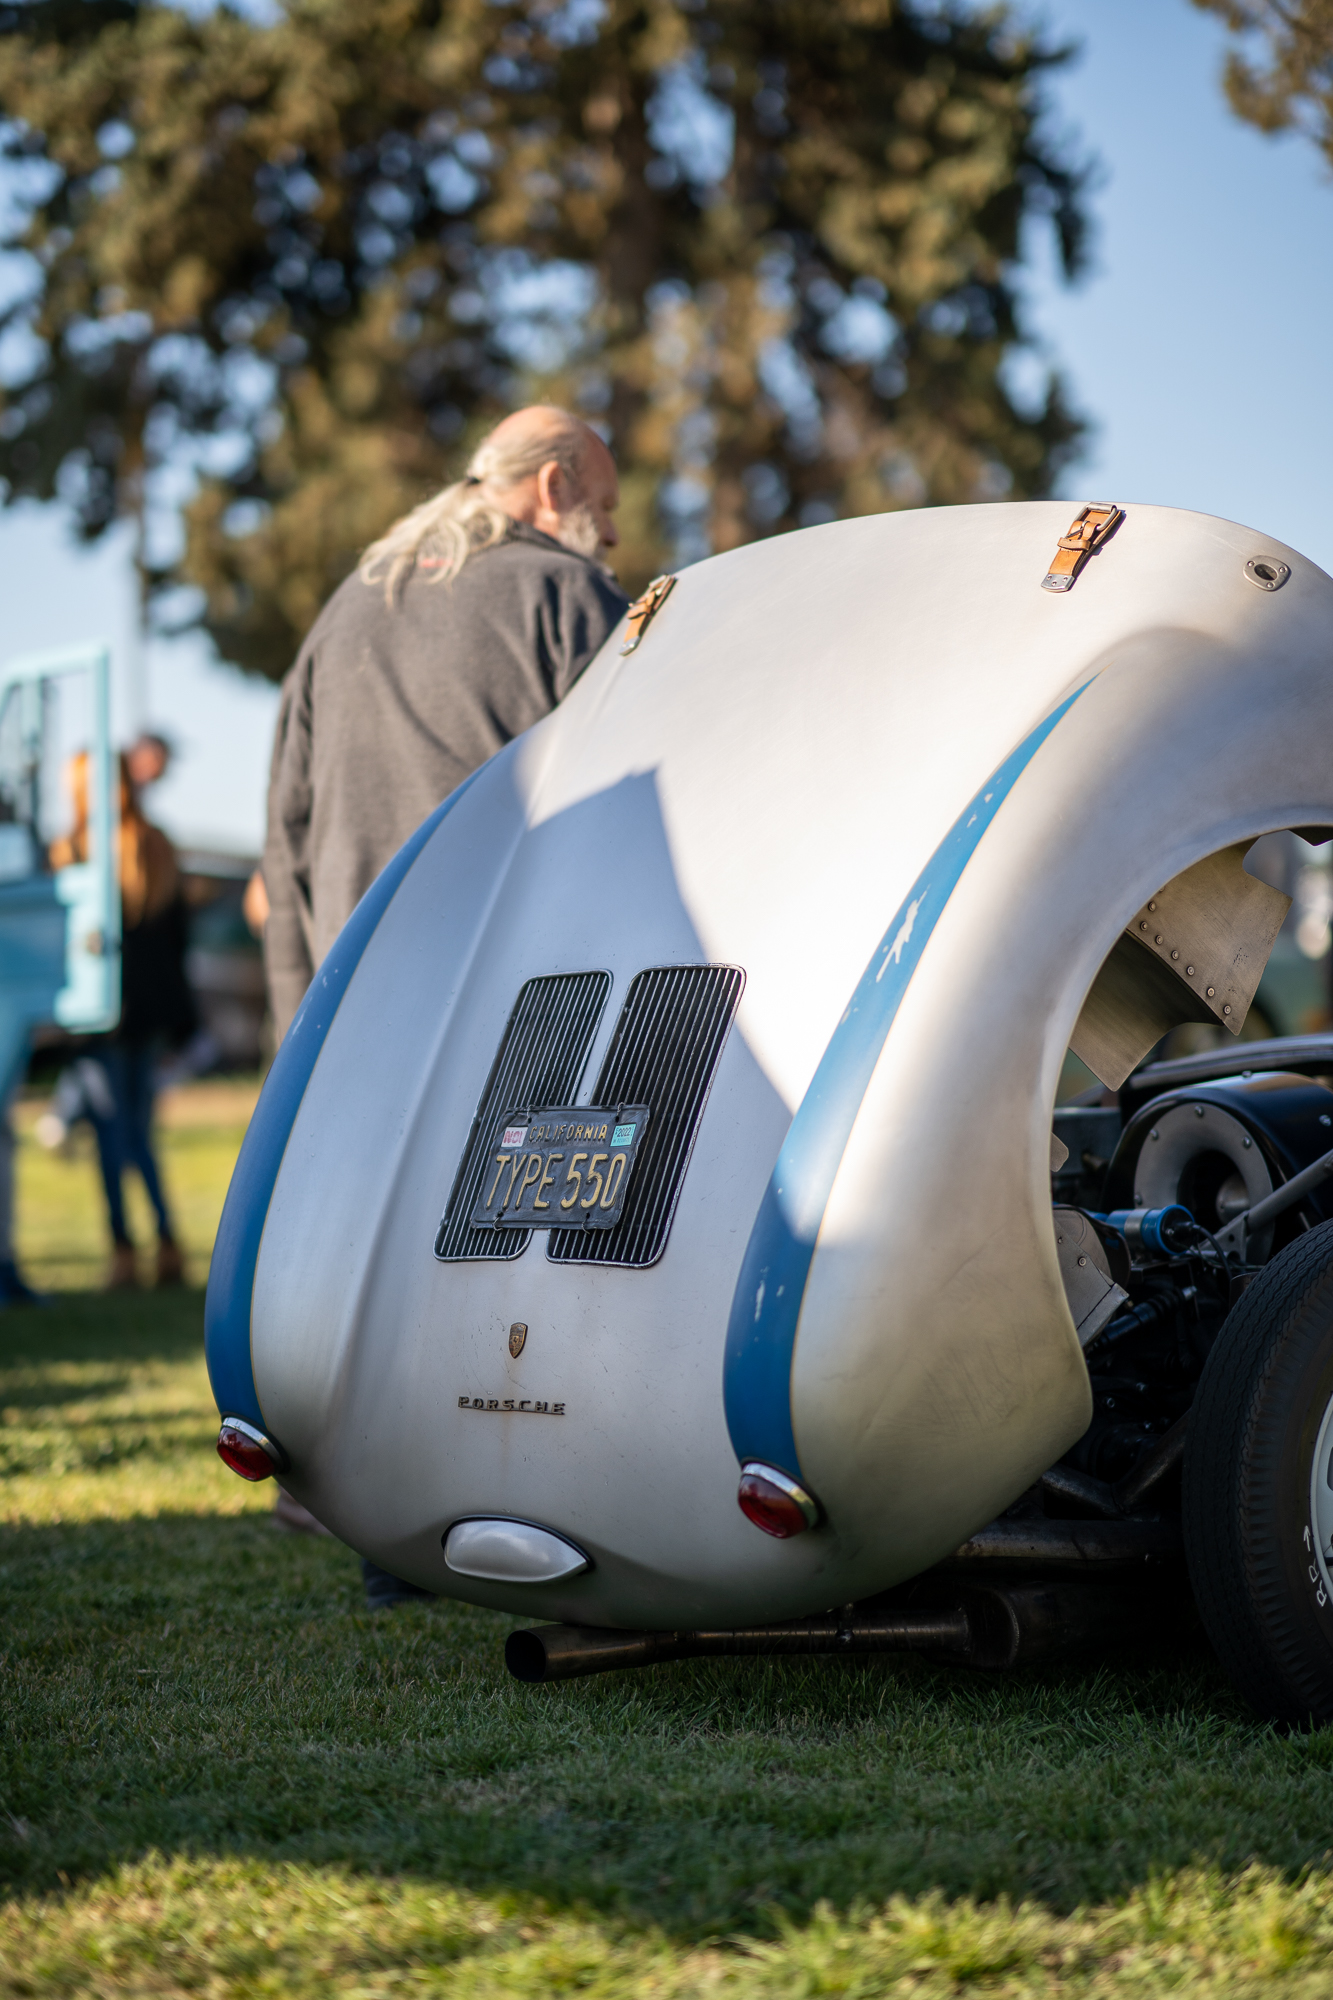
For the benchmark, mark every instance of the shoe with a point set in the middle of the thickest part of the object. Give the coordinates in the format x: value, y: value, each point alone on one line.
x: 13, y: 1290
x: 383, y: 1591
x: 124, y: 1273
x: 170, y: 1263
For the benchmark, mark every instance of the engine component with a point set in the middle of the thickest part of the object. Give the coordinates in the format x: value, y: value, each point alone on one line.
x: 1201, y: 1157
x: 1222, y: 1149
x: 1154, y: 1467
x: 1301, y: 1055
x: 1088, y: 1135
x: 1157, y: 1311
x: 1160, y: 1232
x: 1085, y: 1267
x: 1127, y: 1495
x: 1250, y: 1223
x: 1071, y: 1545
x: 1088, y: 1128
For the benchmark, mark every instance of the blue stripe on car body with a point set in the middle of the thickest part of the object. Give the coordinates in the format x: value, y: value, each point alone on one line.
x: 231, y: 1277
x: 761, y: 1333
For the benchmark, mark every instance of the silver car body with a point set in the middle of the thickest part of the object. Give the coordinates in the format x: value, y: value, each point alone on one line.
x: 916, y: 799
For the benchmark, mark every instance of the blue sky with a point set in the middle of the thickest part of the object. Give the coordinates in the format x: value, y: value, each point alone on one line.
x: 1199, y: 345
x: 1201, y: 341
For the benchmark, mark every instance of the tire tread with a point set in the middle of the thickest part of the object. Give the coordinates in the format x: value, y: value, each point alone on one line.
x: 1233, y: 1536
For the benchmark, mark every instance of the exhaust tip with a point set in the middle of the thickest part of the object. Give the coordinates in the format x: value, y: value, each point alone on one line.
x: 525, y: 1657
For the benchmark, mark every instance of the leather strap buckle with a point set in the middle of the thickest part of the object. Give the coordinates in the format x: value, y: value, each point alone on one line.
x: 1090, y: 527
x: 644, y: 609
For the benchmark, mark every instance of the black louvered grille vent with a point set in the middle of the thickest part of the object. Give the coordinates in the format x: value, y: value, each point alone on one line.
x: 662, y: 1054
x: 540, y: 1060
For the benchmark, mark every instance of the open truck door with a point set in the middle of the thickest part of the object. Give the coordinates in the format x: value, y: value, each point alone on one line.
x: 59, y: 928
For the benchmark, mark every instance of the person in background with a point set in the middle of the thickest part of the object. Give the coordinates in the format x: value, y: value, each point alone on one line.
x: 147, y: 759
x: 157, y: 1010
x: 254, y: 905
x: 464, y: 625
x: 14, y: 1289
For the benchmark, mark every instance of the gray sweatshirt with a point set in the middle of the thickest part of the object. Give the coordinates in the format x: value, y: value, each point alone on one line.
x: 387, y: 710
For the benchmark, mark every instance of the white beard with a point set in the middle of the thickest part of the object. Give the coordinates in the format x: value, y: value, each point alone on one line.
x: 579, y: 531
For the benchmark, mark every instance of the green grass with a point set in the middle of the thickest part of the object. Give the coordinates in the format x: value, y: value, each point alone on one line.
x: 220, y: 1775
x: 61, y: 1219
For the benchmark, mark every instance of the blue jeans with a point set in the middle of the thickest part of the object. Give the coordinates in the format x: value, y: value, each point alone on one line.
x: 124, y: 1139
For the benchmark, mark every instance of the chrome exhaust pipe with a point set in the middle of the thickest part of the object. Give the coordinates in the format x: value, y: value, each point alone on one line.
x: 990, y: 1626
x: 562, y: 1652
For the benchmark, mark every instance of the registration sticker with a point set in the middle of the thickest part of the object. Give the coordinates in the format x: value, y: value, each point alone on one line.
x: 567, y: 1168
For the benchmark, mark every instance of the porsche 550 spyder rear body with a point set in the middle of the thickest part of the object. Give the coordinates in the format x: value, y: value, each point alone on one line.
x: 810, y: 889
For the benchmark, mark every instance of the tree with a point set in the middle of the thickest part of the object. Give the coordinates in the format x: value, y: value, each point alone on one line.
x: 772, y: 245
x: 1291, y: 84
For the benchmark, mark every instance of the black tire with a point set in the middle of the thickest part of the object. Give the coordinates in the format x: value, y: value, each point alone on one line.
x: 1262, y: 1590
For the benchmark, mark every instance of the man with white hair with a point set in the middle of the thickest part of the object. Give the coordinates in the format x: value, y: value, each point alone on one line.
x: 464, y: 624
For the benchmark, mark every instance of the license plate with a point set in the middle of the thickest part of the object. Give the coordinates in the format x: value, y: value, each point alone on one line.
x: 564, y: 1169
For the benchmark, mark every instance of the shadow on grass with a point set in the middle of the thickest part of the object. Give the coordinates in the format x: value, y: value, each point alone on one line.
x: 122, y: 1327
x: 195, y: 1685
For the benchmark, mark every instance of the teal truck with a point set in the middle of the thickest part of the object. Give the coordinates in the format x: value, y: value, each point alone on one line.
x: 59, y: 927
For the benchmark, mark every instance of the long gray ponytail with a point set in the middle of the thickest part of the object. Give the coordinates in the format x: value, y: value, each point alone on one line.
x: 438, y: 536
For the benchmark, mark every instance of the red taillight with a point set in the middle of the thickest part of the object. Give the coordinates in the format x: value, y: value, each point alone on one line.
x: 774, y: 1501
x: 247, y: 1450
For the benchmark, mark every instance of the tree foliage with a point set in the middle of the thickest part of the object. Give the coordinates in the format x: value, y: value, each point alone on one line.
x: 1281, y: 75
x: 285, y: 271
